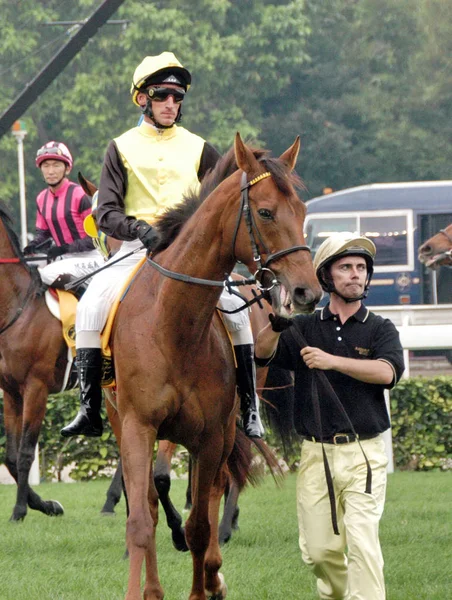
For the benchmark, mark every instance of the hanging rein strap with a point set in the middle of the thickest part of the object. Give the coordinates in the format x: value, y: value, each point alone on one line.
x: 323, y: 379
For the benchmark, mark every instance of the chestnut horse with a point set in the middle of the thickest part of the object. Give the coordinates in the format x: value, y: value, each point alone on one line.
x: 33, y: 360
x: 174, y: 363
x: 437, y: 251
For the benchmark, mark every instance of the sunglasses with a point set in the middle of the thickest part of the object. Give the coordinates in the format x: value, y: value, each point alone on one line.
x: 160, y: 94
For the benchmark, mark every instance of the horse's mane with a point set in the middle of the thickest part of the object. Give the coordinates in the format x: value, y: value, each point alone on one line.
x: 170, y: 222
x: 7, y: 221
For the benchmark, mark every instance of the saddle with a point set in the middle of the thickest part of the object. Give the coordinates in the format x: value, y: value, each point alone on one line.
x: 63, y: 306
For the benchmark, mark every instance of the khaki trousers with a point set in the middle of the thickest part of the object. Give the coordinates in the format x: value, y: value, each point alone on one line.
x: 348, y: 566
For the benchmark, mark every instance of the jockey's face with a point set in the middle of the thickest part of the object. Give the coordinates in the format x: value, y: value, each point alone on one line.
x: 164, y: 111
x: 54, y: 171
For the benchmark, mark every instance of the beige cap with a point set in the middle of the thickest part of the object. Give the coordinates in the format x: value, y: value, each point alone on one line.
x: 338, y: 243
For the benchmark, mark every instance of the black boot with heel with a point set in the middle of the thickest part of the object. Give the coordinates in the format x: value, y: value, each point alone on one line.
x: 246, y: 387
x: 88, y: 420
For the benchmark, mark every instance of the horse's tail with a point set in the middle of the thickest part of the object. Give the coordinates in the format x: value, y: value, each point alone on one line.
x: 245, y: 467
x: 278, y: 396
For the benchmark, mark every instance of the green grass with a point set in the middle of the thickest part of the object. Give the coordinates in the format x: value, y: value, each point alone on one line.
x: 79, y: 556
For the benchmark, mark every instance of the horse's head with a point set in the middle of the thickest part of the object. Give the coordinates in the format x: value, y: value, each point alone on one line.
x: 437, y: 251
x: 269, y: 236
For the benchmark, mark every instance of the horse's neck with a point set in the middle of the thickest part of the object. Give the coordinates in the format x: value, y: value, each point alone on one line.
x: 15, y: 280
x: 203, y: 250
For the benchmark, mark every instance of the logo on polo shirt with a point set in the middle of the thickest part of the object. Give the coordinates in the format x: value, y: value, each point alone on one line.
x: 362, y: 351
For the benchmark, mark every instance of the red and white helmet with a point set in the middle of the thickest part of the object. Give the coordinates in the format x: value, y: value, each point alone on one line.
x: 54, y: 151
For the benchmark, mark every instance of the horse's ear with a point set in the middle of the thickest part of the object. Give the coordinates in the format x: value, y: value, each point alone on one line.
x: 88, y: 187
x: 291, y: 154
x: 244, y: 157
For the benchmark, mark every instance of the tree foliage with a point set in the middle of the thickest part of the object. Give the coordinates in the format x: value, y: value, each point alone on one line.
x: 366, y: 84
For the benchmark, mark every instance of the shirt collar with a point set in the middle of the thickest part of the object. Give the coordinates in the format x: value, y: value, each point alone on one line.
x: 149, y: 130
x: 61, y: 191
x: 360, y: 315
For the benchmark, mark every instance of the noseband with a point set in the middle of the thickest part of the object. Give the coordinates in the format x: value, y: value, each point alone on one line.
x: 262, y: 266
x: 444, y: 232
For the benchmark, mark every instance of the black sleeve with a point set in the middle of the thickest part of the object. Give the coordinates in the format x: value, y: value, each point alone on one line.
x: 287, y: 355
x: 82, y: 245
x: 387, y: 347
x: 111, y: 216
x: 41, y: 236
x: 209, y: 158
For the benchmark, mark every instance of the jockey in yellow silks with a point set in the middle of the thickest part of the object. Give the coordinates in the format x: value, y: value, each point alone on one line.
x: 146, y: 170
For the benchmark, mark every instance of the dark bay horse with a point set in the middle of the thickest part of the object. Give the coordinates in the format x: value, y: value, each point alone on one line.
x: 33, y: 360
x: 174, y: 363
x: 437, y: 251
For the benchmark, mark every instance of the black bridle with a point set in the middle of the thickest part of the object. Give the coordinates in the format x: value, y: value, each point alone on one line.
x: 262, y: 265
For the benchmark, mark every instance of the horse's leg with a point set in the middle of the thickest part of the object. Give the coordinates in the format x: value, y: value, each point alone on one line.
x: 200, y: 532
x: 12, y: 409
x: 113, y: 493
x: 24, y: 419
x: 230, y: 513
x: 137, y: 446
x: 162, y: 480
x: 188, y: 502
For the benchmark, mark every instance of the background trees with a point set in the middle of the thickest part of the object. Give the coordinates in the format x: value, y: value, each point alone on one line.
x: 365, y: 84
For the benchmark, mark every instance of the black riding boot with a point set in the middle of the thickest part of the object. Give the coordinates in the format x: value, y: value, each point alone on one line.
x: 88, y: 420
x: 246, y: 386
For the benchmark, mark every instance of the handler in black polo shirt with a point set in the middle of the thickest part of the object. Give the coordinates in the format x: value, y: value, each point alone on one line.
x: 361, y: 355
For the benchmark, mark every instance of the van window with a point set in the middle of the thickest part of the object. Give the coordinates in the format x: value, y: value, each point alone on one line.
x: 389, y: 232
x: 389, y: 235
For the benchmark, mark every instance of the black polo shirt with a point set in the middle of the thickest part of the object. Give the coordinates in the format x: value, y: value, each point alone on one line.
x: 363, y: 336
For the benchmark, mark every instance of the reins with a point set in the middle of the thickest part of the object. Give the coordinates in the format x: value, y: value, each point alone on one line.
x: 262, y: 265
x: 323, y: 379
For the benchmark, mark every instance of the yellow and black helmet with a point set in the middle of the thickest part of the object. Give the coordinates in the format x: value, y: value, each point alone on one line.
x: 160, y: 69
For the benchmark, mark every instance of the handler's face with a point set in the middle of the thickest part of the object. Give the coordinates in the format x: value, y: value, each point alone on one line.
x: 349, y: 276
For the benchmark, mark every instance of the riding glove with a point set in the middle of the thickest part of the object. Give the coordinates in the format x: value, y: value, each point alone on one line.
x: 30, y: 249
x: 149, y: 236
x: 57, y: 251
x: 279, y: 323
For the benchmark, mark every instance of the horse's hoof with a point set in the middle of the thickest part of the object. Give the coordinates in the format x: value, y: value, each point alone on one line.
x: 179, y: 541
x: 222, y: 593
x: 107, y: 513
x: 55, y: 509
x: 16, y: 519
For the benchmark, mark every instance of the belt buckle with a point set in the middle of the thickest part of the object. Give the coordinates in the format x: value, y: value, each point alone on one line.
x: 338, y: 436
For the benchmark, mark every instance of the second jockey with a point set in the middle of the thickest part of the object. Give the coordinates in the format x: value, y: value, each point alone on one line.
x: 61, y: 210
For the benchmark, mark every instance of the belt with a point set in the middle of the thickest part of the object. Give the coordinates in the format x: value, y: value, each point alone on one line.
x: 341, y: 438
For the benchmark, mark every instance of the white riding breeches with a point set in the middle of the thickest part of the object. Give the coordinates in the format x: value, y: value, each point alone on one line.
x: 96, y: 302
x: 78, y: 265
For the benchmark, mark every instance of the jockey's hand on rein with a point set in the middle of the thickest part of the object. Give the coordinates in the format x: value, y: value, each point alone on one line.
x: 30, y: 249
x: 279, y: 323
x: 149, y: 236
x: 55, y: 251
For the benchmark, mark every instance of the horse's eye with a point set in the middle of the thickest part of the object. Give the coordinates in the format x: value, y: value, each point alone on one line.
x: 265, y: 214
